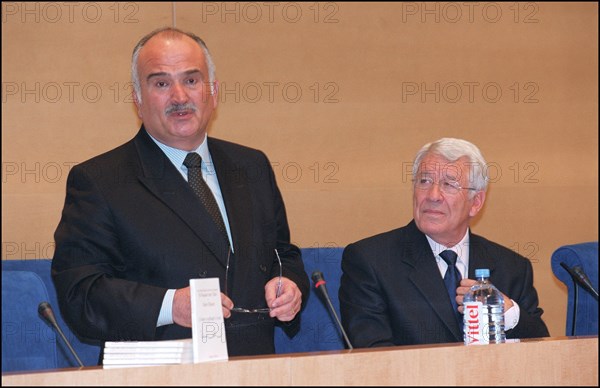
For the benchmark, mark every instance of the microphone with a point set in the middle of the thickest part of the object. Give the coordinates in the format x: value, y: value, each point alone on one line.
x: 585, y: 281
x: 46, y: 312
x: 317, y: 278
x: 581, y: 278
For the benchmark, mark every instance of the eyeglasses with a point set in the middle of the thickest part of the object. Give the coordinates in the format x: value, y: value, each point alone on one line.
x: 265, y: 310
x: 447, y: 186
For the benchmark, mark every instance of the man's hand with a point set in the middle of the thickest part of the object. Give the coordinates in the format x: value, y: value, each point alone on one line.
x: 288, y: 304
x: 465, y: 286
x: 182, y: 307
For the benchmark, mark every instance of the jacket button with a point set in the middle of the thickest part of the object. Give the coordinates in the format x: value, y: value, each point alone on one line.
x: 203, y: 274
x: 263, y: 268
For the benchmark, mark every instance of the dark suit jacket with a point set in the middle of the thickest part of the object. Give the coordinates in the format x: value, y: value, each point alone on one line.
x: 132, y: 228
x: 392, y: 293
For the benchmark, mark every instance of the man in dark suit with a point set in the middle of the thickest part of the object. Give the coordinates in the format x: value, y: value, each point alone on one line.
x: 133, y: 232
x: 393, y: 290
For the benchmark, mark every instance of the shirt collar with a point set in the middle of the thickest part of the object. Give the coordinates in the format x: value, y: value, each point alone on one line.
x: 177, y: 156
x: 461, y: 249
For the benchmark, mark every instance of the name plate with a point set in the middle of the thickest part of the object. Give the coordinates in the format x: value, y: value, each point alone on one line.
x: 208, y: 325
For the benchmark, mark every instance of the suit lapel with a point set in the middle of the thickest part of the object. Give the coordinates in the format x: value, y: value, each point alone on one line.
x: 236, y: 195
x: 161, y: 178
x: 425, y: 276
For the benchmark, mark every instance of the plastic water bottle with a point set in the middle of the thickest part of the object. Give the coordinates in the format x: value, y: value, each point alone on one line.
x: 483, y: 312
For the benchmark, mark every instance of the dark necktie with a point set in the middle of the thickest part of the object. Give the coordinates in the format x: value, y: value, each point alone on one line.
x: 193, y: 162
x: 452, y: 278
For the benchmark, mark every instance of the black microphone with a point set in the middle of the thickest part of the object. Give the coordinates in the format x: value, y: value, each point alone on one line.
x: 317, y: 278
x: 585, y: 281
x: 46, y: 312
x: 581, y: 278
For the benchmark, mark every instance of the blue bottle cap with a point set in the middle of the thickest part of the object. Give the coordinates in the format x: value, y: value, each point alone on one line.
x: 482, y: 273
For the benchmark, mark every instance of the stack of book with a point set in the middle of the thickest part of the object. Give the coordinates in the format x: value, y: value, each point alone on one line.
x: 147, y: 353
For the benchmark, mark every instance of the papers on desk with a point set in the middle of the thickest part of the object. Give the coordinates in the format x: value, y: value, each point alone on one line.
x: 147, y: 353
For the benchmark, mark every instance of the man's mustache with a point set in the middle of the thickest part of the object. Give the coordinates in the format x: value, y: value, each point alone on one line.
x: 175, y: 108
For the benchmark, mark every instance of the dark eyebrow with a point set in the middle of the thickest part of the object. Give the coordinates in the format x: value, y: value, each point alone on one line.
x: 165, y: 74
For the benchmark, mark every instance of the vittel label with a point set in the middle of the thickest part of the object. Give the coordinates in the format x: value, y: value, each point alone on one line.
x: 475, y: 324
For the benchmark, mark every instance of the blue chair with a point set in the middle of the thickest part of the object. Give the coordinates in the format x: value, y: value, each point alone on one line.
x: 584, y: 255
x: 318, y: 330
x: 28, y: 343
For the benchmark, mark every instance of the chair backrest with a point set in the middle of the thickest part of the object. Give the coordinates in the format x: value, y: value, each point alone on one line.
x: 27, y: 343
x: 25, y: 298
x: 318, y: 330
x: 584, y: 255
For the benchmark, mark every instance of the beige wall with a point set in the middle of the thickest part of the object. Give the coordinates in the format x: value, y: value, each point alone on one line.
x: 340, y: 96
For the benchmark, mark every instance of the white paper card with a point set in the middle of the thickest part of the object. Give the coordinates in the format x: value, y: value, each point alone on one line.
x: 208, y: 325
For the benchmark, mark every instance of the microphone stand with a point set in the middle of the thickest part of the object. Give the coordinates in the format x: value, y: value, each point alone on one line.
x: 319, y: 281
x: 575, y: 298
x: 47, y: 314
x: 579, y: 279
x: 332, y: 310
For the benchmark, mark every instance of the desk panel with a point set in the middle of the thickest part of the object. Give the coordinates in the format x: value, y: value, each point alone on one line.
x: 548, y: 361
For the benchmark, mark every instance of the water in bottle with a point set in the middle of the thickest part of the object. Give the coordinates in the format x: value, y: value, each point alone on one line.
x: 483, y: 312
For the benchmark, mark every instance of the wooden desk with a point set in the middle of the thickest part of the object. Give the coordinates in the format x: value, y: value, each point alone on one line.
x: 549, y: 361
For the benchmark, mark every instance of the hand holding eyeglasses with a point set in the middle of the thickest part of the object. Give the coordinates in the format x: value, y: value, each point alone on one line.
x: 285, y: 306
x: 281, y: 294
